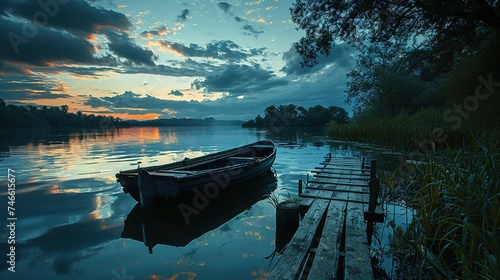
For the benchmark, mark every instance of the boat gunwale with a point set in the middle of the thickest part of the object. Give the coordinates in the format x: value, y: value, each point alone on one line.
x: 207, y: 159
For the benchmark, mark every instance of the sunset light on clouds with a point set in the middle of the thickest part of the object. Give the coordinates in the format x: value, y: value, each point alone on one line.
x: 161, y: 59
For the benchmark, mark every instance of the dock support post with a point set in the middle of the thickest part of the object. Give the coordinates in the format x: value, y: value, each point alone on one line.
x: 363, y: 163
x: 374, y: 187
x: 371, y: 216
x: 300, y: 186
x: 287, y: 216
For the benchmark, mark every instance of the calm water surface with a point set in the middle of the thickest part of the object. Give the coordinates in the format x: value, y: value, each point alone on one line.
x: 74, y: 222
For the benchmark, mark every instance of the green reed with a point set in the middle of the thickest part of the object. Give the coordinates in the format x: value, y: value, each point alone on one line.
x: 403, y: 130
x: 455, y: 232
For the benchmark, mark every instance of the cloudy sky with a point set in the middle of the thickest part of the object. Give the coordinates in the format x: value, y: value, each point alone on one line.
x: 158, y: 59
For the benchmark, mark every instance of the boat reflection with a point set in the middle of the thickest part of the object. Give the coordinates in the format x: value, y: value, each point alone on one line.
x: 175, y: 226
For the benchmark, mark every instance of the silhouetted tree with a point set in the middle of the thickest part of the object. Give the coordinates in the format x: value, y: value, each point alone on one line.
x: 455, y: 25
x: 16, y: 117
x: 292, y: 115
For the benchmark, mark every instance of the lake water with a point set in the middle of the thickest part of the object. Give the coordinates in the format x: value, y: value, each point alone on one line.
x: 74, y: 222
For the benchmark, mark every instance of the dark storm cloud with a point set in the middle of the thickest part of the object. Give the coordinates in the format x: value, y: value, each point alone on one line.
x: 340, y: 56
x: 164, y: 70
x: 122, y: 45
x: 225, y: 49
x: 326, y: 89
x: 55, y: 35
x: 46, y: 45
x: 7, y: 68
x: 77, y: 15
x: 250, y: 30
x: 3, y: 7
x: 224, y: 6
x: 29, y: 87
x: 176, y: 93
x: 134, y: 104
x: 160, y: 31
x: 183, y: 16
x: 96, y: 102
x: 240, y: 79
x: 130, y: 99
x: 83, y: 71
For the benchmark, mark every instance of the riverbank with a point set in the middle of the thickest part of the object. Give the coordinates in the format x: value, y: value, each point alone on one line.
x: 456, y: 227
x: 425, y: 130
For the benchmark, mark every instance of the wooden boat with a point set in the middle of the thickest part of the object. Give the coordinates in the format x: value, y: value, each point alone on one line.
x: 167, y: 225
x: 201, y: 178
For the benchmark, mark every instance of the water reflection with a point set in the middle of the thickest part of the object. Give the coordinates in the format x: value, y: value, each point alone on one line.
x: 168, y: 226
x: 71, y: 211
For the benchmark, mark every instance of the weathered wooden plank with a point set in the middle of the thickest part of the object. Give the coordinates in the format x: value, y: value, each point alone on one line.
x: 326, y: 261
x: 308, y: 196
x: 338, y: 183
x: 305, y: 202
x: 335, y: 163
x: 360, y: 171
x: 291, y: 261
x: 342, y: 164
x: 345, y: 190
x: 338, y: 190
x: 363, y: 171
x: 337, y: 159
x: 334, y: 172
x: 355, y: 166
x: 357, y: 254
x: 346, y: 200
x: 327, y: 175
x: 317, y: 194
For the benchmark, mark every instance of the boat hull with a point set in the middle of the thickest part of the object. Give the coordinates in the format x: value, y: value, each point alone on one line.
x: 168, y: 225
x: 167, y: 184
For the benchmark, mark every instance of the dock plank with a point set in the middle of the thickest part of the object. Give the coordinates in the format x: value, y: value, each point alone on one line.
x: 290, y: 263
x: 326, y: 261
x: 357, y: 251
x: 337, y: 198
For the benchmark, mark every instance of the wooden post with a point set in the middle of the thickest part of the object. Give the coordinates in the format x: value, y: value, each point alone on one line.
x: 363, y: 163
x: 300, y: 187
x: 287, y: 216
x: 329, y: 157
x: 373, y: 170
x: 374, y: 187
x: 283, y: 237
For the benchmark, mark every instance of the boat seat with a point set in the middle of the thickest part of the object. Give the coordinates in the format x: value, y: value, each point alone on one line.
x: 262, y: 146
x: 168, y: 174
x: 241, y: 158
x: 187, y: 172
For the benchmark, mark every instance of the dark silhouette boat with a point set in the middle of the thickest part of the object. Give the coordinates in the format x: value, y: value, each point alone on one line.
x: 202, y: 176
x: 174, y: 226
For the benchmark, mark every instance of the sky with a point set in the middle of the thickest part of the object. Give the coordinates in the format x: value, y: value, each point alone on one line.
x: 153, y: 59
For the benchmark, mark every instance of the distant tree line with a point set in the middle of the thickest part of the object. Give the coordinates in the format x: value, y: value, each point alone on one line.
x: 210, y: 121
x: 293, y: 115
x: 32, y: 117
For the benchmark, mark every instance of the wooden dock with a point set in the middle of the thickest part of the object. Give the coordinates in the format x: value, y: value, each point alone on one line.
x: 332, y: 241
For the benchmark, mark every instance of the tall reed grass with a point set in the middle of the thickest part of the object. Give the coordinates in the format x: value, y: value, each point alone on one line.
x: 455, y: 229
x: 405, y: 131
x: 455, y: 233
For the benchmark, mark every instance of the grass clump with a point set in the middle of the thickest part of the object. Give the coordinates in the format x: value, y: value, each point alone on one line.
x: 455, y: 232
x: 406, y: 131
